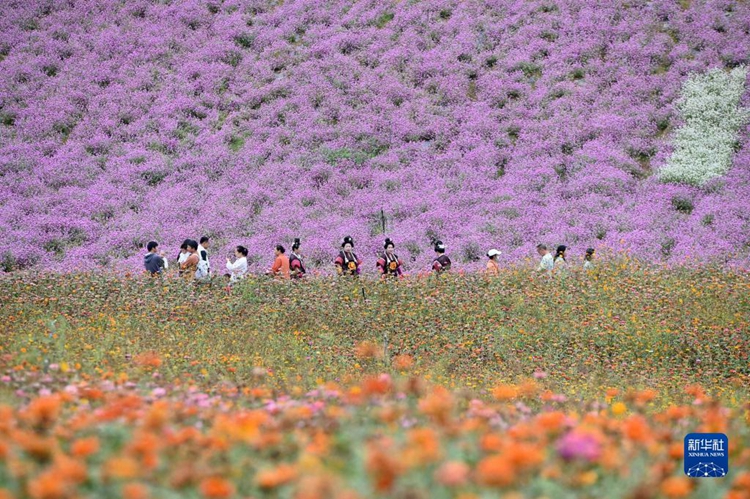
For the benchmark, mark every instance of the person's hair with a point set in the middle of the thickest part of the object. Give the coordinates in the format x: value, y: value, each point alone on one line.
x: 439, y: 247
x: 388, y: 242
x: 151, y: 245
x: 280, y: 248
x: 295, y: 245
x: 204, y: 239
x: 560, y: 250
x: 541, y: 246
x: 589, y: 254
x: 184, y: 244
x: 191, y: 243
x: 347, y: 240
x: 242, y: 250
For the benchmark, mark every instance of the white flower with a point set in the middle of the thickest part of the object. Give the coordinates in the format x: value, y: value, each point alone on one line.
x: 703, y: 146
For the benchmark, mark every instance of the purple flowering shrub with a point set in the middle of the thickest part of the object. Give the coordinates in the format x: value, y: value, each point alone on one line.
x: 491, y: 123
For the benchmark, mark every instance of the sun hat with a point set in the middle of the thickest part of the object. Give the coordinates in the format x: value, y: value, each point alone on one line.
x: 493, y: 252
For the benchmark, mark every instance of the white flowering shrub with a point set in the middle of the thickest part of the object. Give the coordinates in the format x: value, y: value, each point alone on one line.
x: 703, y: 146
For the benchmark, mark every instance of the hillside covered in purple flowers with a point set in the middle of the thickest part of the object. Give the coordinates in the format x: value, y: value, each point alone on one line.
x: 484, y: 123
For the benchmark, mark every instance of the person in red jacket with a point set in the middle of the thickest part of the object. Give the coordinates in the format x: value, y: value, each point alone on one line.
x: 280, y: 266
x: 389, y: 264
x: 347, y: 262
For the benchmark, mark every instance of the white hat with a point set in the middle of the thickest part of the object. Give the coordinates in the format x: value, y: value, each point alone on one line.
x: 493, y: 252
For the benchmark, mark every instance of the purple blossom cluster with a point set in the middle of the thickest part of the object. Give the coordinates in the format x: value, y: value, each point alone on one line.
x: 483, y: 123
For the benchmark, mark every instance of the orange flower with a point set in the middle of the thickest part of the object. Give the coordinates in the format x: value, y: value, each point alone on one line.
x: 676, y: 450
x: 276, y: 477
x: 677, y: 412
x: 612, y: 392
x: 403, y: 362
x: 43, y: 411
x: 524, y: 455
x: 492, y: 442
x: 316, y: 487
x: 452, y: 474
x: 5, y: 494
x: 368, y: 350
x: 84, y: 447
x: 48, y: 485
x: 505, y: 392
x: 551, y: 421
x: 495, y: 471
x: 380, y: 463
x: 121, y: 467
x: 437, y: 404
x: 645, y: 396
x: 376, y: 385
x: 147, y: 359
x: 424, y: 447
x: 676, y: 486
x: 135, y: 491
x: 69, y: 469
x: 742, y: 480
x: 636, y: 428
x: 34, y: 445
x: 216, y: 488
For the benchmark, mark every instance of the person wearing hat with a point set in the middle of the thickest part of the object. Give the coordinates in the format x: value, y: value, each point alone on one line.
x: 560, y: 262
x: 347, y: 262
x: 493, y: 267
x: 389, y: 264
x: 588, y: 259
x: 296, y: 266
x: 441, y: 263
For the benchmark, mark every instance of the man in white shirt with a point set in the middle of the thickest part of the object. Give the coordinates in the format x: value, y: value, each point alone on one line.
x: 204, y: 267
x: 547, y: 263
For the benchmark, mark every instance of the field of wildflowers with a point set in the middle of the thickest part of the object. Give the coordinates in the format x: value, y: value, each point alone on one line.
x: 483, y: 123
x: 429, y: 387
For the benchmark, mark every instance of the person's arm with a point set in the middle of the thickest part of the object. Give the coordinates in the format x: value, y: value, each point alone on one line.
x: 380, y: 264
x: 276, y: 266
x: 191, y: 260
x: 233, y: 267
x: 339, y: 263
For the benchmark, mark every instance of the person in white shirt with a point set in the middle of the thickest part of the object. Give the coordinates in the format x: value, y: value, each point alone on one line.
x: 547, y: 263
x: 588, y: 259
x: 204, y: 266
x: 184, y: 254
x: 238, y: 269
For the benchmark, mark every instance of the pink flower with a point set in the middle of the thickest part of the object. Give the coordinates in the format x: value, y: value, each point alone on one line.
x: 578, y: 445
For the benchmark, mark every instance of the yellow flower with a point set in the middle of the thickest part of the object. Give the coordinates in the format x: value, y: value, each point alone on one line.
x: 619, y: 408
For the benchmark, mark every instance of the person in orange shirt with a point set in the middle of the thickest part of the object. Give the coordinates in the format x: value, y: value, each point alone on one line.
x: 280, y: 266
x: 493, y: 267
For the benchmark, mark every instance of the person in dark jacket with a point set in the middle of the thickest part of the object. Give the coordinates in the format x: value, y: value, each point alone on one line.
x: 296, y: 265
x: 441, y: 263
x: 347, y: 262
x: 154, y: 260
x: 389, y: 264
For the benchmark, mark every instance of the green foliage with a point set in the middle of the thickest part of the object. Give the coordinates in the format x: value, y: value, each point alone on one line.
x: 584, y: 331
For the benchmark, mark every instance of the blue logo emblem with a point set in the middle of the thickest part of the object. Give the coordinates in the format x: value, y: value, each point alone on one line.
x: 706, y: 455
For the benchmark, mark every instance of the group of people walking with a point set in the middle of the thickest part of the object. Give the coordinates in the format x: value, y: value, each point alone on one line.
x: 193, y: 261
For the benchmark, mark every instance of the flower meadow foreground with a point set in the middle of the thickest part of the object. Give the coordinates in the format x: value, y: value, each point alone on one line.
x: 450, y: 386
